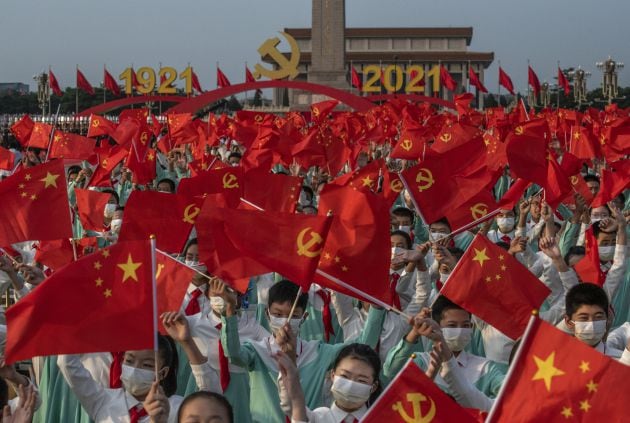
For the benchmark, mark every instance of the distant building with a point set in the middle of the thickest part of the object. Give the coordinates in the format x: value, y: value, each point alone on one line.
x: 13, y: 88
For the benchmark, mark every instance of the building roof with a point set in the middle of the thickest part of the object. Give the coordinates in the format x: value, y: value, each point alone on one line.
x: 404, y: 32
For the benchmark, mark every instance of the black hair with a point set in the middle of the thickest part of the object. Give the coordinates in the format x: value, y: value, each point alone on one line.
x: 170, y: 183
x: 367, y: 355
x: 210, y: 396
x: 597, y: 230
x: 308, y: 190
x: 441, y: 305
x: 235, y: 154
x: 576, y: 250
x: 404, y: 235
x: 403, y: 212
x: 191, y: 242
x: 443, y: 221
x: 585, y: 294
x: 120, y: 208
x: 112, y: 192
x: 4, y: 393
x: 621, y: 197
x: 591, y: 178
x: 73, y: 169
x: 514, y: 350
x: 168, y: 354
x: 286, y: 291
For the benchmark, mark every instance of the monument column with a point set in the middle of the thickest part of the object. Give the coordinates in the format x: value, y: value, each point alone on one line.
x: 328, y: 44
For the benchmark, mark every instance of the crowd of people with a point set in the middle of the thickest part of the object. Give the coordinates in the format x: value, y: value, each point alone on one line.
x: 275, y: 353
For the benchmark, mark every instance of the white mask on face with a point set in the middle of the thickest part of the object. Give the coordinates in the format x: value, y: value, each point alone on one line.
x: 505, y: 224
x: 595, y: 219
x: 397, y: 250
x: 109, y: 210
x: 457, y: 338
x: 276, y: 323
x: 590, y: 333
x: 136, y: 381
x: 350, y: 392
x: 434, y: 236
x: 606, y: 253
x: 444, y: 276
x: 405, y: 229
x: 217, y: 304
x: 196, y: 265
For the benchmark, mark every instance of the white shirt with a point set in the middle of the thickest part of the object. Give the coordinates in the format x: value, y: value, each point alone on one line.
x: 333, y: 414
x: 204, y: 303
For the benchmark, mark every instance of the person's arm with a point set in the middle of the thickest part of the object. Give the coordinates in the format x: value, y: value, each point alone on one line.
x: 7, y: 267
x: 290, y: 391
x: 398, y: 356
x: 373, y: 327
x: 90, y: 393
x: 618, y: 269
x: 423, y: 283
x: 465, y: 393
x: 156, y: 404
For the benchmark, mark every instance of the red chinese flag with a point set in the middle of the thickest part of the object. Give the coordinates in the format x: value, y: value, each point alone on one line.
x: 392, y: 187
x: 58, y: 253
x: 91, y: 207
x: 35, y: 205
x: 364, y: 179
x: 227, y: 182
x: 249, y: 77
x: 272, y: 192
x: 54, y: 84
x: 475, y: 81
x: 321, y: 110
x: 583, y: 144
x: 126, y: 131
x: 102, y: 302
x: 194, y: 80
x: 110, y: 83
x: 66, y: 145
x: 526, y: 151
x: 142, y: 167
x: 100, y: 126
x: 558, y: 378
x: 411, y: 396
x: 108, y: 159
x: 83, y: 83
x: 7, y: 159
x: 506, y: 81
x: 172, y: 279
x: 169, y: 217
x: 22, y: 129
x: 563, y: 82
x: 612, y: 182
x: 356, y: 79
x: 446, y: 79
x: 493, y: 285
x: 589, y: 267
x: 40, y: 136
x: 513, y: 195
x: 358, y: 248
x: 222, y: 80
x: 496, y: 156
x: 533, y: 81
x: 236, y: 243
x: 558, y: 185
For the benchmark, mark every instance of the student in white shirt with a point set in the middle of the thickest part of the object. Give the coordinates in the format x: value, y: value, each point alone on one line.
x: 195, y: 299
x: 205, y: 407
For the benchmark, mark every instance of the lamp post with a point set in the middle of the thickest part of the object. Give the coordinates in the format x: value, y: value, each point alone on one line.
x: 609, y: 68
x: 43, y: 91
x: 578, y: 77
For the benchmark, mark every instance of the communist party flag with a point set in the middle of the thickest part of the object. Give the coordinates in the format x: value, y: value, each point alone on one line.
x: 169, y: 217
x: 493, y: 285
x: 412, y: 397
x: 100, y: 126
x: 321, y: 110
x: 558, y: 378
x: 228, y: 182
x: 273, y: 192
x: 475, y: 208
x: 91, y: 207
x: 102, y: 302
x: 589, y: 267
x: 108, y: 159
x: 7, y: 159
x: 22, y: 129
x: 563, y: 82
x: 66, y: 145
x: 35, y: 204
x: 475, y: 81
x: 222, y: 80
x: 110, y: 83
x: 446, y: 79
x: 172, y: 279
x: 83, y: 83
x: 362, y: 179
x: 506, y: 81
x: 526, y: 150
x: 238, y: 243
x: 53, y: 83
x: 533, y: 81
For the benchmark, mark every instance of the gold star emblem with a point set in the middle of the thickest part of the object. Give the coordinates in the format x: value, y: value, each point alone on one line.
x: 21, y: 186
x: 503, y: 267
x: 546, y: 370
x: 585, y: 406
x: 344, y: 268
x: 23, y: 195
x: 591, y: 386
x: 501, y: 257
x: 327, y: 256
x: 98, y: 265
x: 497, y: 276
x: 130, y: 269
x: 27, y: 177
x: 50, y: 180
x: 585, y: 366
x: 105, y: 253
x: 337, y: 259
x: 567, y: 412
x: 33, y: 197
x: 480, y: 256
x: 488, y: 279
x: 107, y: 293
x: 99, y: 281
x: 367, y: 181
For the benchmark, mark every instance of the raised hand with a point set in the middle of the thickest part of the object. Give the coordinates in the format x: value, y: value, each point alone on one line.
x: 156, y: 404
x: 176, y: 326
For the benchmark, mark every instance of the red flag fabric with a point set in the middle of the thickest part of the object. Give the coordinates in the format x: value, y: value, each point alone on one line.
x: 475, y: 208
x: 56, y: 254
x: 110, y: 83
x: 513, y: 195
x: 83, y: 83
x: 474, y: 81
x: 142, y: 167
x: 356, y: 79
x: 563, y: 82
x: 40, y: 136
x: 54, y: 84
x: 321, y: 110
x: 194, y: 81
x: 91, y: 207
x: 533, y: 81
x: 411, y: 396
x: 125, y: 131
x: 66, y: 145
x: 249, y: 77
x: 7, y: 159
x: 446, y: 79
x: 101, y: 293
x: 22, y: 129
x: 557, y: 186
x: 612, y: 182
x: 169, y: 217
x: 235, y: 243
x: 228, y: 182
x: 172, y: 279
x: 589, y: 267
x: 506, y: 81
x: 583, y: 144
x: 493, y: 285
x: 134, y: 81
x: 108, y: 160
x: 272, y: 192
x: 559, y: 378
x: 100, y: 126
x: 222, y: 80
x: 526, y: 151
x: 35, y: 204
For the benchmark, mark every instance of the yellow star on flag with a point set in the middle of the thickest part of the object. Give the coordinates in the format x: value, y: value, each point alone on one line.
x: 584, y: 366
x: 97, y: 265
x: 130, y: 269
x: 367, y: 181
x: 546, y: 370
x: 99, y: 281
x: 585, y: 405
x: 480, y: 256
x: 591, y: 386
x: 107, y: 293
x: 105, y: 253
x: 567, y: 412
x: 50, y: 180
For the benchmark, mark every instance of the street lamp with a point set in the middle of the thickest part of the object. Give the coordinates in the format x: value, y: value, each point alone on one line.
x: 609, y: 68
x: 578, y: 78
x: 43, y: 91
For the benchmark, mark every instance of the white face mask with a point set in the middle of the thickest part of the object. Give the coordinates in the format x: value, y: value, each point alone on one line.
x: 109, y: 210
x: 405, y: 229
x: 196, y: 265
x: 505, y: 224
x: 349, y: 392
x: 115, y: 225
x: 457, y: 338
x: 136, y: 381
x: 217, y: 304
x: 434, y: 236
x: 606, y: 253
x: 276, y: 323
x: 590, y: 333
x: 397, y: 250
x: 444, y: 276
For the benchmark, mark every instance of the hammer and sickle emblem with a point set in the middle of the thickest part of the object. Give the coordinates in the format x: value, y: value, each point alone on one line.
x: 160, y: 266
x: 306, y: 249
x: 424, y: 179
x: 96, y: 123
x: 415, y: 398
x: 574, y: 180
x: 230, y: 181
x: 519, y: 130
x: 446, y: 137
x: 144, y: 138
x: 602, y: 139
x: 406, y: 145
x: 258, y: 118
x: 190, y: 213
x: 286, y: 67
x: 316, y: 111
x: 479, y: 210
x: 396, y: 185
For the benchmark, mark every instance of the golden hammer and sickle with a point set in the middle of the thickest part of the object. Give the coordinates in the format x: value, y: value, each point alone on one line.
x: 574, y: 180
x: 406, y: 145
x: 258, y: 118
x: 230, y: 181
x: 160, y: 266
x: 415, y: 399
x: 190, y: 213
x: 96, y: 123
x: 479, y: 210
x: 446, y: 137
x: 144, y: 138
x: 287, y: 67
x: 396, y: 185
x: 305, y: 249
x: 519, y: 130
x: 425, y: 176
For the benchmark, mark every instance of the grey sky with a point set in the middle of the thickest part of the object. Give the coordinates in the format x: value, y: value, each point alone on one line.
x: 90, y: 33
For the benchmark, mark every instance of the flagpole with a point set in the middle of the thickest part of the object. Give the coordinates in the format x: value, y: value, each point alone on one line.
x: 49, y: 96
x: 510, y: 372
x: 499, y: 86
x: 155, y: 311
x: 76, y: 94
x: 528, y: 87
x: 558, y: 93
x: 104, y: 89
x: 52, y: 132
x: 246, y: 81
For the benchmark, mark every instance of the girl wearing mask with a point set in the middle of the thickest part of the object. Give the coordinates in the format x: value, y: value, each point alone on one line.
x: 138, y: 374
